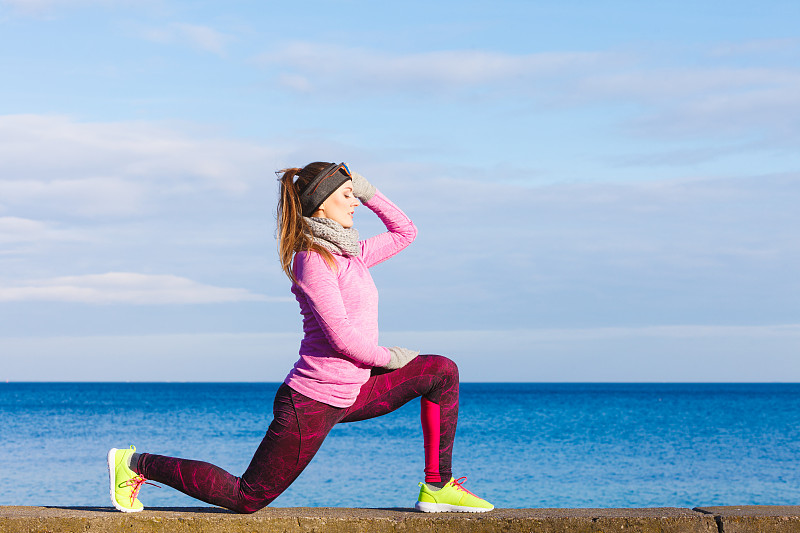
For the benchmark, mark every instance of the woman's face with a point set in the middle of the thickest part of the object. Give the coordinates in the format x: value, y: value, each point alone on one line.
x: 339, y: 206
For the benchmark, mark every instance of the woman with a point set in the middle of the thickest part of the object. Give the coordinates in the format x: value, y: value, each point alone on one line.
x: 343, y: 375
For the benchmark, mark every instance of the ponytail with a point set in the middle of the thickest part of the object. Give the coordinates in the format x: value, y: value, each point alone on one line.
x: 294, y: 235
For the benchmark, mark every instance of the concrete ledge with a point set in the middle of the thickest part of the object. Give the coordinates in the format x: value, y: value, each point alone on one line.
x: 340, y: 520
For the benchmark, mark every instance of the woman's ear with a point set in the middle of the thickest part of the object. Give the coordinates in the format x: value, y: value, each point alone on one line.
x: 320, y: 212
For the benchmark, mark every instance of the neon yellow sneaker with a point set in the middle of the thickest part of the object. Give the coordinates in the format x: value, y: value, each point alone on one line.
x: 125, y: 483
x: 452, y: 497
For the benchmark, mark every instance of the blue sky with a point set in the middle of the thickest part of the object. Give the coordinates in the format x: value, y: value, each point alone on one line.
x: 604, y: 191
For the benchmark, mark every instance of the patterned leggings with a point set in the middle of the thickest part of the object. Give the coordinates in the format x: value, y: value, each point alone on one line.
x: 299, y: 426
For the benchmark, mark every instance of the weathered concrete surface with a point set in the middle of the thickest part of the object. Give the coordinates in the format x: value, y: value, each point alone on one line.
x: 341, y: 520
x: 752, y: 518
x: 740, y: 519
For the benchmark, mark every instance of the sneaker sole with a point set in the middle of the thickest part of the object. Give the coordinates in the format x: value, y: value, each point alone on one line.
x: 428, y: 507
x: 112, y: 482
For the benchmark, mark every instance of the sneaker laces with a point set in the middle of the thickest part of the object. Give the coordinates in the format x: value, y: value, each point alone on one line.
x: 459, y: 484
x: 136, y: 484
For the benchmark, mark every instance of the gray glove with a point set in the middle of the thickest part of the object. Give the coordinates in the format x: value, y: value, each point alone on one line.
x: 400, y: 357
x: 362, y: 189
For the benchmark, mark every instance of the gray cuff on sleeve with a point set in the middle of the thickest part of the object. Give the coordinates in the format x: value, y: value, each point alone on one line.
x: 400, y: 357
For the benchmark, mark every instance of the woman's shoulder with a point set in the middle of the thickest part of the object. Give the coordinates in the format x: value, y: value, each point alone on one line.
x: 308, y: 258
x: 311, y: 256
x: 309, y: 261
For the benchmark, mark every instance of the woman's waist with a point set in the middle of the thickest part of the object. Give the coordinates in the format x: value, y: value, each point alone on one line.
x: 315, y: 339
x: 322, y: 371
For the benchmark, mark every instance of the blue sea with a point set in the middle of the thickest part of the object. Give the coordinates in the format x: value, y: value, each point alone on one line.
x: 520, y: 444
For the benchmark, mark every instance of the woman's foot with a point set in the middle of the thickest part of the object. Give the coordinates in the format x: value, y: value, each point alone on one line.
x: 124, y: 482
x: 453, y: 497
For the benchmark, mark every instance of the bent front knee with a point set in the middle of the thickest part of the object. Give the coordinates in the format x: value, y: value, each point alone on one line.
x: 444, y: 367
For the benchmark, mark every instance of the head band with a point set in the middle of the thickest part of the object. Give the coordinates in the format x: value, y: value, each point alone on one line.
x: 322, y: 186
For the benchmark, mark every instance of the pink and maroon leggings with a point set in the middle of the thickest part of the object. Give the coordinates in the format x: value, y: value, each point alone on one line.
x: 299, y: 426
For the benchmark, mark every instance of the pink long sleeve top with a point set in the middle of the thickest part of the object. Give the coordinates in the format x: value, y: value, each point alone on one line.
x: 340, y: 312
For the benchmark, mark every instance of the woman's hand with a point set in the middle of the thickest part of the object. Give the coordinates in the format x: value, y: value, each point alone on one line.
x: 362, y: 189
x: 400, y: 357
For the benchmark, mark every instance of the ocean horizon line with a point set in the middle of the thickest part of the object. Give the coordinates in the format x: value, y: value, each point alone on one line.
x: 254, y: 382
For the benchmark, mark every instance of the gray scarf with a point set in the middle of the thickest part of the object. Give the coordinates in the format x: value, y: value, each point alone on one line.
x: 334, y: 237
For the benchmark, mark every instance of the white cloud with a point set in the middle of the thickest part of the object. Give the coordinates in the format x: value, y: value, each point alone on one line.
x: 180, y: 357
x: 194, y: 35
x: 712, y: 98
x: 116, y: 168
x: 647, y: 354
x: 87, y: 197
x: 720, y: 100
x: 125, y: 288
x: 758, y: 47
x: 306, y: 65
x: 750, y: 101
x: 680, y: 331
x: 48, y: 7
x: 684, y: 353
x: 490, y: 252
x: 641, y: 352
x: 36, y: 5
x: 16, y: 230
x: 654, y: 84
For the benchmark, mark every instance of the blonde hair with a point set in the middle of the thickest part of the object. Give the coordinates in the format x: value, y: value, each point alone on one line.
x: 294, y: 234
